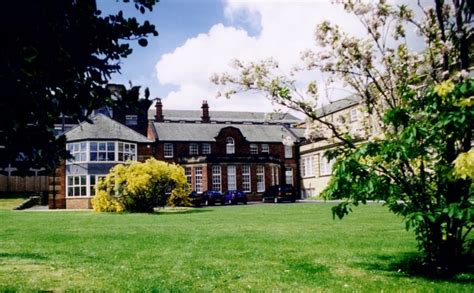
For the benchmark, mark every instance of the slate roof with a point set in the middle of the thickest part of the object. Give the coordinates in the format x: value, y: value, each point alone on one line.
x: 225, y: 116
x: 338, y: 105
x: 175, y: 131
x: 103, y: 127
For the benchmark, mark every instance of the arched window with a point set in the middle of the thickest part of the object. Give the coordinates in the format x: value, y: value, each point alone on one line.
x: 230, y: 145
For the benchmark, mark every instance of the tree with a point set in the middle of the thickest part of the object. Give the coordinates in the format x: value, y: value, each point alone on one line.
x: 140, y: 187
x: 56, y: 59
x: 423, y: 102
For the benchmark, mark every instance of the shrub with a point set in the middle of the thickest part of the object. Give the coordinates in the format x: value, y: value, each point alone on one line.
x: 103, y: 202
x: 140, y: 187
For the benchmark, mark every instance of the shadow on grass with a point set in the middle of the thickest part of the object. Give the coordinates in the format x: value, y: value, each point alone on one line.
x: 172, y: 211
x: 23, y: 255
x: 411, y: 265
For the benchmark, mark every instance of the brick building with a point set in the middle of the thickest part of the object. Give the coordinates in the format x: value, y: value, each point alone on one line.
x: 225, y: 150
x: 219, y: 150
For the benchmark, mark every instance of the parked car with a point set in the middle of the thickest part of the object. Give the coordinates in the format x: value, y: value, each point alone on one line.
x: 196, y: 198
x: 211, y: 197
x: 234, y: 197
x: 278, y: 193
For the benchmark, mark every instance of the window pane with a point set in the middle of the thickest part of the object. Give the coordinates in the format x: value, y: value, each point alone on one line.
x: 83, y: 191
x: 120, y: 155
x: 102, y: 146
x: 127, y: 147
x: 102, y: 156
x: 83, y: 180
x: 76, y: 147
x: 76, y: 191
x: 120, y: 147
x: 76, y: 180
x: 83, y: 146
x: 93, y: 146
x: 132, y: 148
x: 69, y: 180
x: 110, y: 146
x: 92, y: 180
x: 93, y: 156
x: 83, y: 157
x: 70, y: 191
x: 110, y: 156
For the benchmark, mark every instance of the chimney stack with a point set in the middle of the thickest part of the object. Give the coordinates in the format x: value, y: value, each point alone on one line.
x: 205, y: 112
x: 159, y: 110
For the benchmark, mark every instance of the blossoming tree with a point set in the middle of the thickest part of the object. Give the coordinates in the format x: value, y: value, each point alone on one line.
x: 421, y: 163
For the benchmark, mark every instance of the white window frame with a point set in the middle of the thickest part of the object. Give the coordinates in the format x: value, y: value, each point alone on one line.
x: 288, y: 179
x: 354, y: 115
x: 206, y: 148
x: 78, y: 149
x: 128, y: 152
x: 230, y: 145
x: 253, y: 149
x: 325, y: 166
x: 307, y: 166
x: 90, y: 182
x: 216, y: 178
x: 193, y: 149
x: 198, y: 179
x: 168, y: 150
x: 288, y: 151
x: 231, y: 177
x: 188, y: 173
x: 277, y: 175
x: 260, y: 178
x: 246, y: 178
x: 265, y: 148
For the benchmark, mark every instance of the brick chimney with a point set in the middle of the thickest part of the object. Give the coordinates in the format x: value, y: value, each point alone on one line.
x: 159, y: 110
x: 205, y: 112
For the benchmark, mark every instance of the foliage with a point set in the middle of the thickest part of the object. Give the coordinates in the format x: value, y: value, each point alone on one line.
x: 103, y: 202
x: 140, y: 187
x: 415, y: 149
x: 57, y: 59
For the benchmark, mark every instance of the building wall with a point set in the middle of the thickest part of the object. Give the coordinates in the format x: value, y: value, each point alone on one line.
x: 364, y: 126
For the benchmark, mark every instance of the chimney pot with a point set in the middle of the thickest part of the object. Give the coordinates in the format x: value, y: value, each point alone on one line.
x: 159, y: 110
x: 205, y: 112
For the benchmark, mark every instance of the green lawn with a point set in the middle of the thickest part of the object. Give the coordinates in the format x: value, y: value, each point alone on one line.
x: 285, y: 247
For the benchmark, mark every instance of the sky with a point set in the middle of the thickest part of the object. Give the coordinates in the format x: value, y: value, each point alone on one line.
x: 200, y: 37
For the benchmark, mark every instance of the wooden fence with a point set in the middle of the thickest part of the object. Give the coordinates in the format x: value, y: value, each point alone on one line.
x: 29, y: 184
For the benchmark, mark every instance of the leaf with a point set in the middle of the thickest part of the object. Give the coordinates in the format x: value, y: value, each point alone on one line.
x: 143, y: 42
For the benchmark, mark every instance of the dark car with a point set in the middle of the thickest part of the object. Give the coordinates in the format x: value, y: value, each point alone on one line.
x: 278, y: 193
x: 234, y: 197
x: 196, y: 198
x: 211, y: 197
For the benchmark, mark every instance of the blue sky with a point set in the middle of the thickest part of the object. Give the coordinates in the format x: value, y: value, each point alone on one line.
x: 176, y: 21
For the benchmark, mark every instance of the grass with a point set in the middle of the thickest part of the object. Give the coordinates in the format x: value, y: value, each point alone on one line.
x: 285, y: 247
x: 10, y: 203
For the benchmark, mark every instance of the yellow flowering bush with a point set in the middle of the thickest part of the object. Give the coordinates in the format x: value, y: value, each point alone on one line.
x: 140, y: 187
x: 103, y: 202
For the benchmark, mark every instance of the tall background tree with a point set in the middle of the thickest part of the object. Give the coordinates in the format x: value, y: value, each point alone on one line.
x: 56, y: 59
x: 423, y: 103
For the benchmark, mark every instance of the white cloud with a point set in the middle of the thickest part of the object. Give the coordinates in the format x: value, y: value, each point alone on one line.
x: 286, y: 29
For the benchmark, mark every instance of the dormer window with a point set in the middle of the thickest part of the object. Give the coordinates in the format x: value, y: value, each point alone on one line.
x: 253, y: 149
x: 131, y: 120
x: 230, y: 145
x: 193, y: 149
